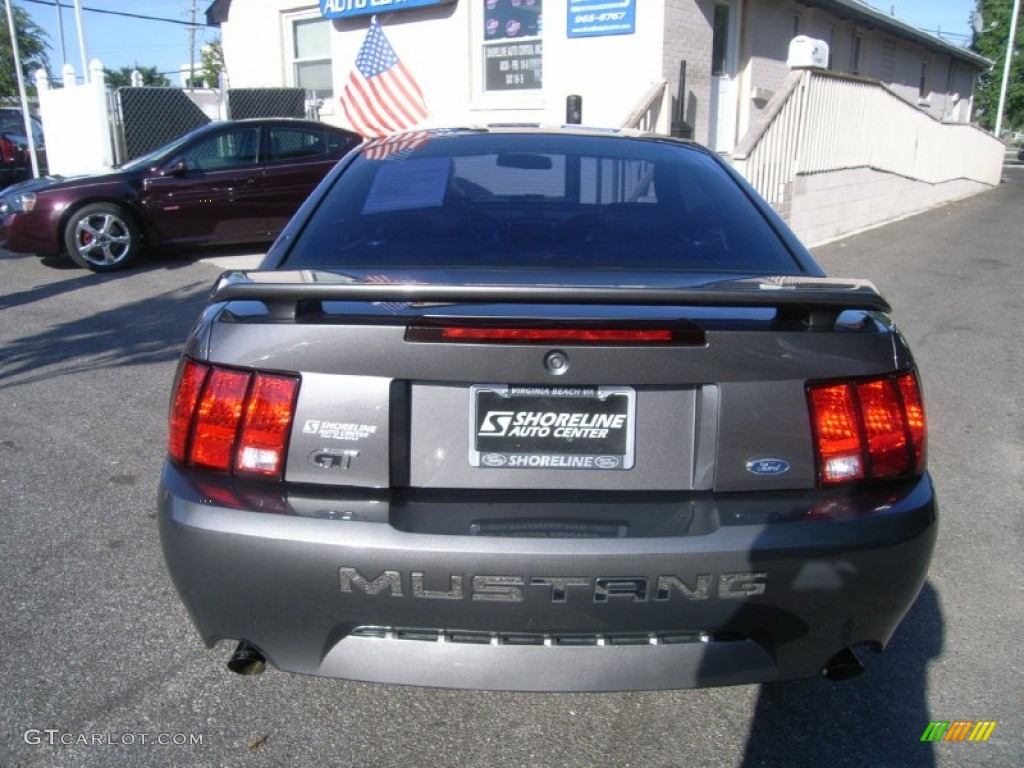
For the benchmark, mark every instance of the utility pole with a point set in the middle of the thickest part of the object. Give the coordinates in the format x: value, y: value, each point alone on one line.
x: 192, y: 47
x: 1006, y: 67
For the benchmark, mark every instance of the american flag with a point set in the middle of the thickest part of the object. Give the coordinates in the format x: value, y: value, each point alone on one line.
x: 381, y: 95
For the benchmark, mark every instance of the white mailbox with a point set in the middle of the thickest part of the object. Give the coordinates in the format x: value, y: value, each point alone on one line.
x: 806, y: 51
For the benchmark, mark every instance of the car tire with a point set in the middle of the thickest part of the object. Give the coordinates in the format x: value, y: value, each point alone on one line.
x: 102, y: 237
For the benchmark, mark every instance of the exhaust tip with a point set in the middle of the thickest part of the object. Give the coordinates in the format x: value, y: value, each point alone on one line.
x: 247, y: 660
x: 843, y: 666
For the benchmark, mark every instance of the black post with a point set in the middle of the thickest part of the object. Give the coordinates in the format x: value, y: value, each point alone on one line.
x: 573, y: 110
x: 680, y: 128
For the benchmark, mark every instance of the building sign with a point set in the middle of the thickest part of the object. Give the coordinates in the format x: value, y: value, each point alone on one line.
x: 346, y: 9
x: 513, y: 51
x: 596, y: 18
x: 514, y: 67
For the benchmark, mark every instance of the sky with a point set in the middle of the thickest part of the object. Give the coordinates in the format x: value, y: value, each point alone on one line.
x: 947, y: 16
x: 121, y: 41
x: 124, y: 42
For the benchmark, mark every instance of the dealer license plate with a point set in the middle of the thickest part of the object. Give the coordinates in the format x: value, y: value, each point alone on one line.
x: 521, y: 427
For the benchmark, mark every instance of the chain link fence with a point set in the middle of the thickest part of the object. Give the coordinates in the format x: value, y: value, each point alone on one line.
x: 244, y: 103
x: 149, y: 117
x: 146, y: 118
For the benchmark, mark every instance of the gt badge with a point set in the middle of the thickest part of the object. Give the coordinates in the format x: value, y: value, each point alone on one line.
x: 332, y: 458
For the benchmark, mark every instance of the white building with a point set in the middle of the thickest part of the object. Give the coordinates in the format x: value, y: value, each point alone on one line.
x: 878, y: 130
x: 518, y: 60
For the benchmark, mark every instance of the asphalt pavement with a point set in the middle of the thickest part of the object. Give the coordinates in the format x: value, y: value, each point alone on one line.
x: 99, y: 664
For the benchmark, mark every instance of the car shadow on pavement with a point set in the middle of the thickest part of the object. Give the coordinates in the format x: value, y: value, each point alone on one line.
x: 148, y: 261
x: 876, y: 719
x: 47, y: 291
x: 158, y: 258
x: 78, y: 277
x: 149, y: 330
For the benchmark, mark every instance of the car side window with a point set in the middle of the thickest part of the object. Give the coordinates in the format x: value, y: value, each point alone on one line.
x: 293, y: 143
x: 225, y: 150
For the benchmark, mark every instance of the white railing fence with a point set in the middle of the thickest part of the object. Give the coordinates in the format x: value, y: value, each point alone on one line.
x: 652, y: 112
x: 78, y: 138
x: 823, y: 122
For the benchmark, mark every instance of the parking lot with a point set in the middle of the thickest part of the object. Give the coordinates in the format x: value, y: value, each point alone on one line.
x: 101, y: 666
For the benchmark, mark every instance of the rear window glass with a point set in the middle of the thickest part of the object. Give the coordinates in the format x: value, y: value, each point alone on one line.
x: 540, y: 201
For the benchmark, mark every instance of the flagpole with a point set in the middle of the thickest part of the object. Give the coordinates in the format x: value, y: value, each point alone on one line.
x: 81, y: 41
x: 60, y: 32
x: 23, y: 95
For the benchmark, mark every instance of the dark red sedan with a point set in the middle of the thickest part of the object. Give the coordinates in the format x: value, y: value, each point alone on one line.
x: 15, y: 160
x: 227, y: 182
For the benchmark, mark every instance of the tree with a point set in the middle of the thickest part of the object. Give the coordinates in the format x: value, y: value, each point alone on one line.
x: 990, y: 42
x: 32, y: 45
x: 123, y: 77
x: 212, y: 58
x: 211, y: 64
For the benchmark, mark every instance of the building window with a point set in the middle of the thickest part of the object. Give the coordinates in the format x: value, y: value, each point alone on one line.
x: 720, y: 41
x: 922, y: 90
x: 856, y: 47
x: 311, y: 56
x: 513, y: 51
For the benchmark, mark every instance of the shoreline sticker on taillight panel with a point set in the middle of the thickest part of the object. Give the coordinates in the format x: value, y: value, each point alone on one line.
x: 543, y: 427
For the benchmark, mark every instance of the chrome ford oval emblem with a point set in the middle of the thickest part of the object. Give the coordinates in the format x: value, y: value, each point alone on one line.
x: 767, y: 467
x: 606, y: 462
x: 493, y: 460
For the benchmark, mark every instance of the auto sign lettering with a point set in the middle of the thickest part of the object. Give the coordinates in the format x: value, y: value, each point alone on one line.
x: 519, y: 427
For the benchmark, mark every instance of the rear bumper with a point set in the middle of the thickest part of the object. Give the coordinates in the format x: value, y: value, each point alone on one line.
x: 720, y: 591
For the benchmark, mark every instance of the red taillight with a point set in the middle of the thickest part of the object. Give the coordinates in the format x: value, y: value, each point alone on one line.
x: 268, y: 419
x: 232, y: 420
x: 218, y: 419
x: 840, y: 449
x: 555, y: 335
x: 910, y: 391
x: 868, y: 429
x: 884, y: 428
x: 528, y: 331
x: 8, y: 151
x: 186, y: 395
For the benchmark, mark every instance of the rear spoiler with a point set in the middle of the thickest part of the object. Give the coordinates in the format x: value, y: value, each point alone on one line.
x: 816, y: 300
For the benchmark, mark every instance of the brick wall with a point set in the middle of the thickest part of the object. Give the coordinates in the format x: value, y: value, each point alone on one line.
x: 826, y: 206
x: 688, y: 34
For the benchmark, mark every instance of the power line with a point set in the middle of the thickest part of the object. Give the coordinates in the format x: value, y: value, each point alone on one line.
x: 59, y: 4
x: 944, y: 33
